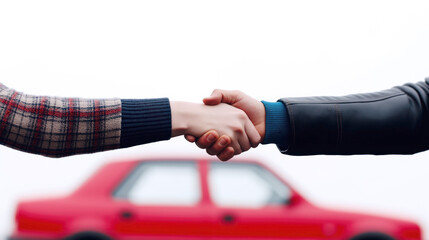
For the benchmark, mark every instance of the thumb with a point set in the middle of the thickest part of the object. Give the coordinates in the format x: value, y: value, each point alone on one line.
x: 214, y: 99
x: 230, y: 97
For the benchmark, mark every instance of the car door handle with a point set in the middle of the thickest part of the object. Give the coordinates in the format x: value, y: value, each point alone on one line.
x: 126, y: 215
x: 228, y: 218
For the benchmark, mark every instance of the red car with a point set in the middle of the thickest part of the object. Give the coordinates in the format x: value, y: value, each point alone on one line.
x: 195, y: 199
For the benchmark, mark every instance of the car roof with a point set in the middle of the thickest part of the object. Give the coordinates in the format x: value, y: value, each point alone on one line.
x: 198, y: 159
x: 108, y: 176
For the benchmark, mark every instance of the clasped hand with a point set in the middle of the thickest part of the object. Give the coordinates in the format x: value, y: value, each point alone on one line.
x: 227, y: 124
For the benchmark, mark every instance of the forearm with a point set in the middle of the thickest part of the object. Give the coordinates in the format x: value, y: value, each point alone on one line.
x: 276, y: 124
x: 394, y: 121
x: 145, y: 121
x: 58, y: 127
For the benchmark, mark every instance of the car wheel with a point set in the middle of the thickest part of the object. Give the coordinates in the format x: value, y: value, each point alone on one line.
x: 88, y: 236
x: 372, y: 236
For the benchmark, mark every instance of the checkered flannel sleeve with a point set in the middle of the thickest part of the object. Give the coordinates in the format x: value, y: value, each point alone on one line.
x: 58, y: 127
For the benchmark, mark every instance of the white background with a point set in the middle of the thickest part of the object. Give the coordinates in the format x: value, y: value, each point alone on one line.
x: 184, y: 49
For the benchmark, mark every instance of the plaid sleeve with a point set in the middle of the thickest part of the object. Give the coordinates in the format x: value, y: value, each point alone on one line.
x: 58, y: 127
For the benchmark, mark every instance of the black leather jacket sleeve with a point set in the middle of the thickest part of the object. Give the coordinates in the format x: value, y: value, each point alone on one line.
x: 394, y: 121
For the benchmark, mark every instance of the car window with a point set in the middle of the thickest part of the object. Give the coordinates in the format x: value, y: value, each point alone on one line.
x: 162, y: 183
x: 245, y: 185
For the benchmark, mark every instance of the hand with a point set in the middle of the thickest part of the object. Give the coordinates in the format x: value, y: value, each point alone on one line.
x: 196, y: 119
x: 214, y: 144
x: 254, y: 109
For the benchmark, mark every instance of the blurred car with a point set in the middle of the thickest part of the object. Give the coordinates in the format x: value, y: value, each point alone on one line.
x: 195, y: 199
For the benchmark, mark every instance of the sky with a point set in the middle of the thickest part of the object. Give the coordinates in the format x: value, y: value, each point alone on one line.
x: 185, y: 49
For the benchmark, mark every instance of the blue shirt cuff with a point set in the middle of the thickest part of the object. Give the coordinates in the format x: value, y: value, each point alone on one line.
x: 276, y: 124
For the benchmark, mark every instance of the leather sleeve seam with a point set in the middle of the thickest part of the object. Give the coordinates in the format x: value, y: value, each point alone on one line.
x: 336, y: 101
x: 292, y: 126
x: 339, y: 125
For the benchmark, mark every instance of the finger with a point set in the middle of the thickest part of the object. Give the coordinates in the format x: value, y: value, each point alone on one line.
x: 220, y: 145
x: 226, y: 154
x: 214, y: 99
x: 244, y: 142
x: 222, y: 96
x: 252, y: 134
x: 190, y: 138
x: 236, y: 146
x: 207, y: 139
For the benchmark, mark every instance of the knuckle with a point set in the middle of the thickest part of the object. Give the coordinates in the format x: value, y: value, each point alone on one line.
x: 210, y: 152
x: 225, y: 156
x: 245, y: 148
x: 242, y: 116
x: 217, y: 147
x: 238, y: 151
x: 239, y: 130
x: 255, y: 144
x: 202, y: 145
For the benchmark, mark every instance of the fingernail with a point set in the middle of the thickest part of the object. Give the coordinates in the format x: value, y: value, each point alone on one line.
x: 210, y: 137
x: 222, y: 142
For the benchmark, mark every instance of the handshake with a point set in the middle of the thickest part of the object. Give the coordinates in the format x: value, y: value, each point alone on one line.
x: 227, y: 124
x: 393, y: 121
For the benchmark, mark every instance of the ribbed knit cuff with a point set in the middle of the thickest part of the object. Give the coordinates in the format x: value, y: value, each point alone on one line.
x: 145, y: 121
x: 276, y: 124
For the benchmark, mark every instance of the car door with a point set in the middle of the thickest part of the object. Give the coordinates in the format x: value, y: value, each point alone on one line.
x: 163, y: 202
x: 250, y: 202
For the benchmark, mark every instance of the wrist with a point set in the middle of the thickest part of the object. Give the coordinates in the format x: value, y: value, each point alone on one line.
x: 179, y: 124
x: 276, y: 124
x: 261, y: 124
x: 144, y: 121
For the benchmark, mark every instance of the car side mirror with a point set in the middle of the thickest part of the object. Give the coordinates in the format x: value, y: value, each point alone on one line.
x: 291, y: 201
x: 287, y: 201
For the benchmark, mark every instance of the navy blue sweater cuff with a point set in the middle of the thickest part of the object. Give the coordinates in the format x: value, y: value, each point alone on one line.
x: 145, y: 121
x: 276, y: 124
